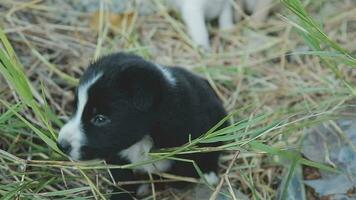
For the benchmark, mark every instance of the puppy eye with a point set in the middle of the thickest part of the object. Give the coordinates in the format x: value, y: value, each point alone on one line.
x: 100, y: 120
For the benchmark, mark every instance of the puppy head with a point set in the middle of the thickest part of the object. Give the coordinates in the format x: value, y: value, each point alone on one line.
x: 115, y: 107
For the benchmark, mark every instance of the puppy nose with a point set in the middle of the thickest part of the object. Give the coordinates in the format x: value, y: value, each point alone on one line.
x: 64, y: 146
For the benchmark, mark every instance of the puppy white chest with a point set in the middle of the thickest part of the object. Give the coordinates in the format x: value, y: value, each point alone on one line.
x: 139, y: 152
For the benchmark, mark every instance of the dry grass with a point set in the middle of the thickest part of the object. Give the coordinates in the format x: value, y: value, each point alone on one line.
x: 255, y: 67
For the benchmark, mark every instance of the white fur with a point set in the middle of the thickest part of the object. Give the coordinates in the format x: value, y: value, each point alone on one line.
x: 167, y: 74
x: 211, y: 178
x: 139, y: 152
x: 72, y: 131
x: 196, y: 12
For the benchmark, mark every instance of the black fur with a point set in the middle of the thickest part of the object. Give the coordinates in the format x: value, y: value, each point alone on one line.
x: 139, y: 100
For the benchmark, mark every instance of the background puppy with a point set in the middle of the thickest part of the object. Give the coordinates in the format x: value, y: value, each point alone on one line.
x: 127, y: 106
x: 195, y: 13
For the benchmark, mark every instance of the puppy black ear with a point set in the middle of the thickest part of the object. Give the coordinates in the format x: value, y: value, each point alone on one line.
x: 143, y: 85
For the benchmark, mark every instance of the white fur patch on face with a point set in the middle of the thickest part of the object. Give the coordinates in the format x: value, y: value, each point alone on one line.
x: 167, y: 74
x: 72, y: 132
x: 211, y: 178
x: 139, y: 152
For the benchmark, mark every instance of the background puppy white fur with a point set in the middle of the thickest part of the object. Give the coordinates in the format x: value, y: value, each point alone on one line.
x: 195, y: 13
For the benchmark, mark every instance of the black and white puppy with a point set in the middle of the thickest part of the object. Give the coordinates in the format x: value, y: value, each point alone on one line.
x: 126, y: 106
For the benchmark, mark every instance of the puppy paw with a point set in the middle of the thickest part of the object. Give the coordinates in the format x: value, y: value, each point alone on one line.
x: 211, y: 178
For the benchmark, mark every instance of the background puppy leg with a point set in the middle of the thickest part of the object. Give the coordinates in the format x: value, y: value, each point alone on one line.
x: 261, y: 10
x: 226, y: 17
x: 249, y: 5
x: 193, y: 17
x: 238, y: 11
